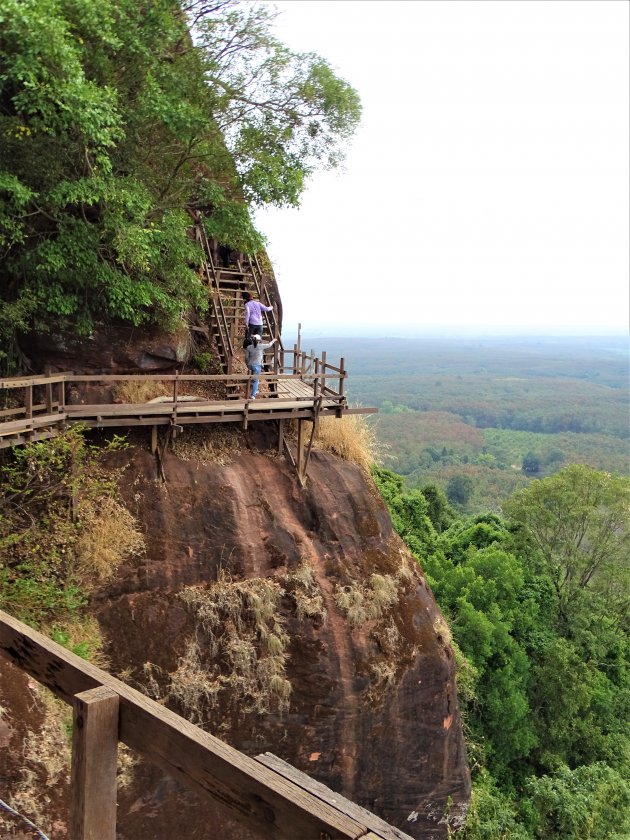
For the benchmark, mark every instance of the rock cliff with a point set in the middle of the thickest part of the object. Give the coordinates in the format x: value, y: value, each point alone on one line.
x: 282, y: 619
x: 358, y: 686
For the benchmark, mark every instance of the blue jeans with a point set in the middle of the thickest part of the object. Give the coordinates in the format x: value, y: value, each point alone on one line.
x: 256, y: 369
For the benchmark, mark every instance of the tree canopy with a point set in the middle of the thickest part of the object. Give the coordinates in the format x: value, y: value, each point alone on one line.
x: 536, y: 602
x: 115, y: 118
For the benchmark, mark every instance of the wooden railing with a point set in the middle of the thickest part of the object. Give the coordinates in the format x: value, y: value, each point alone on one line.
x: 224, y: 338
x: 269, y: 796
x: 262, y: 291
x: 252, y: 278
x: 298, y: 385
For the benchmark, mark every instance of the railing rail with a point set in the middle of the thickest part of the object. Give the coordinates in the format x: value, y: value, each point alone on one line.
x: 215, y: 295
x: 269, y: 796
x: 299, y: 386
x: 263, y: 295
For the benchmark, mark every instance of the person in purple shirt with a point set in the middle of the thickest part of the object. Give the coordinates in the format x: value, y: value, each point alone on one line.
x: 253, y: 315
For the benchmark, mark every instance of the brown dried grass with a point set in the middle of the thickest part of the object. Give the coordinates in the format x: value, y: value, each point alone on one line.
x: 240, y: 647
x: 109, y: 535
x: 208, y: 445
x: 47, y: 755
x: 306, y: 594
x: 141, y: 391
x: 352, y: 438
x: 363, y: 602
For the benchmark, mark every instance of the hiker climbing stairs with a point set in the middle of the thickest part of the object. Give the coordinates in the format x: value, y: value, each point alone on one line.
x: 228, y: 276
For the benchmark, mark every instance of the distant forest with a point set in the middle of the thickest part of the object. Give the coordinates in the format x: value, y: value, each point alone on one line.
x: 481, y: 417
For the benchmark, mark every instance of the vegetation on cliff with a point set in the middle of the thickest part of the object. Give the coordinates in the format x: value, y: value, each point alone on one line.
x: 537, y: 601
x: 63, y: 531
x: 115, y: 118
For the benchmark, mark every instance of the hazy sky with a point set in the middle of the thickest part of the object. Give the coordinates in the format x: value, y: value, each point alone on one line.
x: 488, y: 184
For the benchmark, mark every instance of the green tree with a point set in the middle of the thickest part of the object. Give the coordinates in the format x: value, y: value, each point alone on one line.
x: 282, y: 113
x: 459, y: 489
x: 439, y: 511
x: 531, y: 463
x: 579, y: 522
x: 114, y: 121
x: 589, y: 802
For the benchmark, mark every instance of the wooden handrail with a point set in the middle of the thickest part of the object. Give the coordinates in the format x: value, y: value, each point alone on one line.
x: 159, y: 377
x: 273, y: 801
x: 215, y: 297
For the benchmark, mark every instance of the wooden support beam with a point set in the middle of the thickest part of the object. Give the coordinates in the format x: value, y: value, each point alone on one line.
x: 49, y: 395
x: 300, y: 451
x: 280, y: 435
x: 154, y: 439
x: 384, y: 831
x: 271, y: 806
x: 94, y: 756
x: 28, y: 401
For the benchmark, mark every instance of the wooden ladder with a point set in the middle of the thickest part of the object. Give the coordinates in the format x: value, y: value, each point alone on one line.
x: 226, y: 285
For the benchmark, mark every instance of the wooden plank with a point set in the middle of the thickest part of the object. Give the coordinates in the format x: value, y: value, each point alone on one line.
x: 25, y: 381
x: 359, y: 410
x: 19, y: 440
x: 382, y: 830
x: 27, y: 423
x: 270, y: 804
x: 300, y: 451
x: 94, y: 757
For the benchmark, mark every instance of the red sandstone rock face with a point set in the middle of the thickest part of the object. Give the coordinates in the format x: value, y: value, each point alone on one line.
x: 111, y: 350
x: 372, y: 711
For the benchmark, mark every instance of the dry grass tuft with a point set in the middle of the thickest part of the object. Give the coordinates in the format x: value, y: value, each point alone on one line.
x: 240, y: 648
x: 303, y: 588
x: 351, y: 600
x: 363, y: 603
x: 127, y: 761
x: 108, y: 536
x: 352, y: 437
x: 191, y: 685
x: 214, y: 445
x: 82, y: 635
x: 442, y: 630
x: 46, y: 754
x: 137, y: 391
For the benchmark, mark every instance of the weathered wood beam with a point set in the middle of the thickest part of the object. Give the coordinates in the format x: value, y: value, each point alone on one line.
x: 94, y: 759
x: 270, y: 804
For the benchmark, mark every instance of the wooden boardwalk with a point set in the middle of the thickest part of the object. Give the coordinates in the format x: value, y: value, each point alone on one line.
x: 286, y: 396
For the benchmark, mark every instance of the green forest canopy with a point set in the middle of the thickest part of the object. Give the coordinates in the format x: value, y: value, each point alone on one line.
x: 537, y: 601
x: 116, y: 116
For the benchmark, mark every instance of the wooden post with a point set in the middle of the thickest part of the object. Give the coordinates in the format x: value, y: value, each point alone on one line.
x: 280, y: 436
x: 94, y: 755
x: 323, y: 372
x: 175, y: 387
x: 154, y: 439
x: 49, y: 399
x: 296, y: 350
x: 300, y: 450
x: 28, y: 402
x: 342, y: 376
x: 316, y: 379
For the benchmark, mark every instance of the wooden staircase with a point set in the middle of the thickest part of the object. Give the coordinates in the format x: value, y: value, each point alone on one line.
x: 226, y: 285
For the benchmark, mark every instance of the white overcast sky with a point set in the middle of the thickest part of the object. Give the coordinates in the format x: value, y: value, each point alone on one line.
x: 488, y: 184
